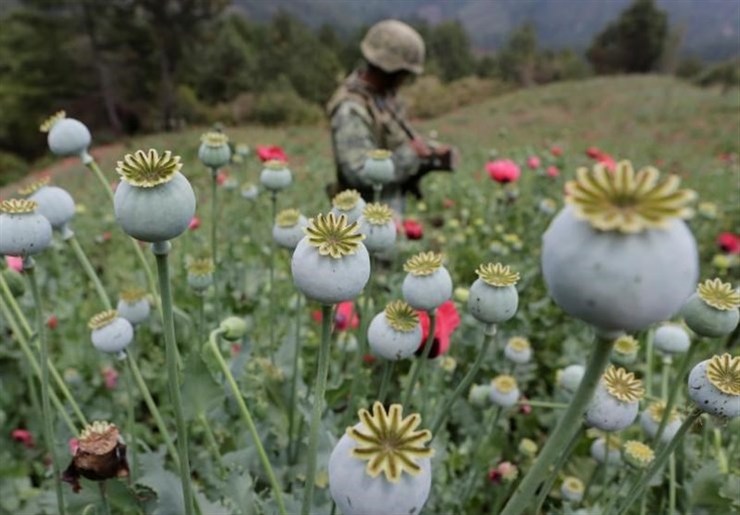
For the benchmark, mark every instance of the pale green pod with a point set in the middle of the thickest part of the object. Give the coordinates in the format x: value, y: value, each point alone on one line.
x: 491, y: 304
x: 288, y: 237
x: 504, y: 391
x: 56, y: 204
x: 348, y: 203
x: 200, y: 283
x: 479, y: 395
x: 275, y: 176
x: 650, y: 425
x: 599, y: 452
x: 214, y: 150
x: 135, y: 312
x: 378, y: 168
x: 378, y: 237
x: 706, y: 320
x: 518, y: 353
x: 570, y: 377
x: 705, y: 381
x: 155, y: 214
x: 618, y: 281
x: 572, y: 490
x: 23, y: 231
x: 111, y: 333
x: 671, y: 339
x: 69, y: 137
x: 608, y: 413
x: 392, y: 343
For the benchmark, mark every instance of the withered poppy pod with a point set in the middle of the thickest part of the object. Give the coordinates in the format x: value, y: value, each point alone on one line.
x: 619, y: 255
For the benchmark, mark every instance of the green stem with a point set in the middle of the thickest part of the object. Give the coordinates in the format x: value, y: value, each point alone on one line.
x: 161, y: 250
x: 672, y: 485
x: 152, y: 406
x: 29, y: 267
x: 318, y: 401
x: 131, y: 423
x: 569, y: 424
x: 444, y: 412
x: 490, y: 426
x: 211, y: 439
x: 650, y: 351
x: 14, y: 305
x: 420, y: 361
x: 658, y: 462
x: 89, y: 270
x: 294, y: 381
x: 683, y: 367
x: 377, y: 191
x: 542, y: 404
x: 104, y: 498
x: 605, y: 471
x: 201, y: 316
x: 554, y: 473
x: 28, y: 353
x: 664, y: 376
x: 385, y: 382
x: 271, y: 307
x: 247, y: 416
x: 214, y: 235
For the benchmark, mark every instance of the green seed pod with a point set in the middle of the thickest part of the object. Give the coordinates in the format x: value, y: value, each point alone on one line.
x: 289, y: 228
x: 133, y: 306
x: 616, y: 401
x: 275, y: 176
x: 381, y: 465
x: 572, y: 489
x: 214, y: 150
x: 154, y: 202
x: 518, y: 350
x: 54, y: 203
x: 671, y: 339
x: 234, y: 328
x: 504, y: 391
x: 378, y: 168
x: 637, y: 454
x: 111, y: 333
x: 713, y: 309
x: 493, y: 297
x: 348, y: 203
x: 200, y: 274
x: 377, y: 224
x: 650, y: 421
x: 330, y: 264
x: 66, y: 136
x: 600, y: 454
x: 23, y: 231
x: 714, y: 385
x: 395, y: 333
x: 427, y: 284
x: 618, y: 256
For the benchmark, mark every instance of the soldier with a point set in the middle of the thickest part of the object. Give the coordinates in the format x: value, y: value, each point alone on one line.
x: 366, y: 114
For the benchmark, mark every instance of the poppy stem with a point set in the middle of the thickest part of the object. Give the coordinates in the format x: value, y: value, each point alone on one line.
x: 273, y: 200
x: 161, y: 251
x: 419, y: 363
x: 89, y: 270
x: 131, y: 423
x: 214, y: 236
x: 294, y: 381
x: 385, y: 382
x: 30, y: 269
x: 488, y: 427
x: 670, y: 400
x: 554, y: 474
x: 488, y: 338
x: 568, y: 424
x: 104, y: 498
x: 318, y: 401
x: 247, y: 416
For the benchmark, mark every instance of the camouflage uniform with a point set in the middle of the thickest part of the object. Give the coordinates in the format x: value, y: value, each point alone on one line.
x: 363, y: 120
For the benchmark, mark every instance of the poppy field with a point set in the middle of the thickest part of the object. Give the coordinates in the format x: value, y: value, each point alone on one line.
x: 190, y: 325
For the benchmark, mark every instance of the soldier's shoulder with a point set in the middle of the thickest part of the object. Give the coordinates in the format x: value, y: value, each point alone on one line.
x: 350, y: 108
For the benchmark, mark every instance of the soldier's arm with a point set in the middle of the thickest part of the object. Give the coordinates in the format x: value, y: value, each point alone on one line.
x: 353, y: 138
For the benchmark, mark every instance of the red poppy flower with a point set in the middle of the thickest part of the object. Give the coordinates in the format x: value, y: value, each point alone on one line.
x: 448, y: 203
x: 447, y: 321
x: 503, y: 170
x: 413, y: 229
x: 14, y: 263
x: 270, y: 153
x: 593, y: 152
x: 194, y: 223
x: 110, y: 376
x: 533, y: 162
x: 369, y: 359
x: 23, y: 436
x: 608, y: 161
x: 525, y: 408
x: 552, y: 171
x: 52, y: 322
x: 729, y: 242
x: 346, y: 317
x: 556, y: 151
x: 221, y: 177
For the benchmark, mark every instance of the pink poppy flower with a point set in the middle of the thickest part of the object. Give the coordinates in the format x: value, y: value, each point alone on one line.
x: 552, y: 171
x: 413, y: 229
x: 194, y: 223
x: 73, y: 444
x: 503, y: 170
x: 729, y: 242
x: 271, y: 153
x: 447, y: 321
x: 346, y: 317
x: 110, y: 377
x: 221, y: 177
x: 23, y: 436
x: 533, y: 162
x: 556, y: 151
x: 14, y: 263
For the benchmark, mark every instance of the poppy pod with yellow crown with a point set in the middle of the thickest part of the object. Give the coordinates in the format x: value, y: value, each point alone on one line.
x: 111, y: 333
x: 616, y: 401
x: 288, y: 228
x: 275, y: 176
x: 330, y: 264
x: 377, y: 224
x: 395, y: 333
x: 714, y: 385
x: 713, y: 309
x: 133, y: 305
x: 379, y: 167
x: 23, y: 231
x: 67, y: 136
x: 55, y: 203
x: 154, y: 202
x: 427, y: 284
x: 381, y: 465
x: 348, y: 203
x: 619, y: 255
x: 214, y: 150
x: 493, y: 297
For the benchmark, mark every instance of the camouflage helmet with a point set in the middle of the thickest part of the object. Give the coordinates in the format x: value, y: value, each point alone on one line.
x: 393, y: 46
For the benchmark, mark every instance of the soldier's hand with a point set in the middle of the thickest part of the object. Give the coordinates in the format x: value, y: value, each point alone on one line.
x: 420, y: 147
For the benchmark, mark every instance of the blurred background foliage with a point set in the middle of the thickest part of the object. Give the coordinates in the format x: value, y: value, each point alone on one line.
x: 131, y: 66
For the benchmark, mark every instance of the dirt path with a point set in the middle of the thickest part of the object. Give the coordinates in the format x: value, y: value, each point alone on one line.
x: 65, y: 165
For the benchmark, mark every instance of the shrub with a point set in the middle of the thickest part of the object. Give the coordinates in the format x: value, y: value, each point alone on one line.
x: 429, y: 97
x: 12, y: 168
x: 284, y: 107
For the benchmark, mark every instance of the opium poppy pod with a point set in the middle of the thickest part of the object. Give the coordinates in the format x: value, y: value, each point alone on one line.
x: 379, y: 167
x: 54, y: 203
x: 133, y: 305
x: 214, y: 150
x: 602, y: 452
x: 616, y: 401
x: 154, y: 202
x: 275, y: 176
x: 330, y: 264
x: 394, y: 334
x: 377, y: 224
x: 381, y: 465
x: 23, y: 231
x: 493, y: 297
x: 427, y: 284
x: 111, y: 333
x: 100, y: 455
x: 713, y: 309
x: 200, y: 274
x: 714, y: 385
x: 289, y: 228
x: 504, y: 391
x: 618, y: 256
x: 67, y: 136
x: 651, y: 417
x: 348, y: 203
x: 671, y: 339
x: 518, y: 350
